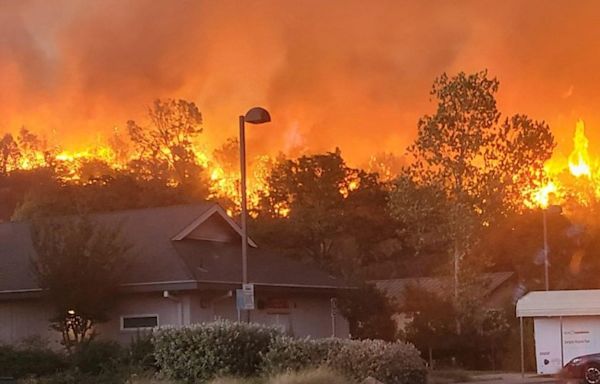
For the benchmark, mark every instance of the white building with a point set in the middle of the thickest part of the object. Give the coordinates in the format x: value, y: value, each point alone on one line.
x: 566, y: 325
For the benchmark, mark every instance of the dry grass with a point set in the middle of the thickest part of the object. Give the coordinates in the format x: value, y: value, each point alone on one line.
x: 316, y: 376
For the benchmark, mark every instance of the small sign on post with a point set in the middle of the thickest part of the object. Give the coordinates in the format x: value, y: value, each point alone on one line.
x: 245, y: 297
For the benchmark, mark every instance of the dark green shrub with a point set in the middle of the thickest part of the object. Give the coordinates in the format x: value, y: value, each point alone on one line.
x: 391, y: 363
x: 289, y: 354
x: 29, y: 361
x: 97, y: 356
x: 140, y: 352
x: 204, y: 351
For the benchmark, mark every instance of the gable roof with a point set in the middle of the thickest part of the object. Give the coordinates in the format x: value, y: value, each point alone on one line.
x: 158, y: 261
x: 395, y: 288
x: 214, y: 210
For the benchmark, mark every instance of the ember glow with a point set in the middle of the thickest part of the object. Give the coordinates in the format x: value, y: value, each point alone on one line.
x: 346, y: 74
x: 574, y: 178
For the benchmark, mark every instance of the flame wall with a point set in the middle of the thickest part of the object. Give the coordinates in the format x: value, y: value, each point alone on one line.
x: 354, y: 74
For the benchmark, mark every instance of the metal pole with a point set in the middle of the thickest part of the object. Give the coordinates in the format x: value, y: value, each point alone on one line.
x: 522, y: 350
x: 545, y: 250
x: 244, y: 207
x: 243, y: 196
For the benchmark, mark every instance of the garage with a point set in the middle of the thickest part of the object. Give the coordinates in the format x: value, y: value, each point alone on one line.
x: 566, y: 325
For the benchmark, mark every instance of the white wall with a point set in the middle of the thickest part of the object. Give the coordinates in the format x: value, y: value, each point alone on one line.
x: 309, y: 315
x: 558, y: 340
x: 23, y: 319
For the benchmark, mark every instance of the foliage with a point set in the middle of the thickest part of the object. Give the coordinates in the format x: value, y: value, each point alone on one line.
x: 29, y: 361
x: 165, y: 149
x: 290, y: 354
x: 79, y: 263
x: 390, y: 362
x: 140, y: 352
x: 318, y: 207
x: 369, y: 312
x: 394, y: 363
x: 204, y: 351
x: 472, y: 165
x: 433, y: 327
x: 97, y: 356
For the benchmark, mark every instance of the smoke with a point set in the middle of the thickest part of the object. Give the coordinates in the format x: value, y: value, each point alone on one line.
x: 345, y: 73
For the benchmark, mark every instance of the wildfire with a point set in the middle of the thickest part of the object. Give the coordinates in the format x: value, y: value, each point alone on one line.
x: 579, y: 160
x: 575, y: 179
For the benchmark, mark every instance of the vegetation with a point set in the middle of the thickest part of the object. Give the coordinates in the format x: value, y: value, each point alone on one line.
x: 203, y: 352
x: 457, y: 205
x: 79, y: 264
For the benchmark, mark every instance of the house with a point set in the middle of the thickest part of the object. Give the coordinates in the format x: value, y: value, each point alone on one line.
x: 497, y: 289
x: 186, y: 269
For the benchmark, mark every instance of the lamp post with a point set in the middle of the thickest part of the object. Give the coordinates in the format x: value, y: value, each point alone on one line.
x: 256, y: 115
x: 545, y: 210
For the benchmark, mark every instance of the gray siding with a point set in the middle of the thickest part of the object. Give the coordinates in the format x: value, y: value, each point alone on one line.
x: 309, y: 315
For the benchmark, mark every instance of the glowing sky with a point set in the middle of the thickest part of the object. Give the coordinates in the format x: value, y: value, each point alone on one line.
x: 354, y: 74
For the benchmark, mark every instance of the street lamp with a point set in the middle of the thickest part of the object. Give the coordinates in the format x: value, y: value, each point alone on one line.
x: 554, y: 209
x: 256, y: 115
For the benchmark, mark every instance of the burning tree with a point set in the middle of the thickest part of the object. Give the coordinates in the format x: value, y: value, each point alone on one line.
x: 79, y: 264
x: 467, y: 156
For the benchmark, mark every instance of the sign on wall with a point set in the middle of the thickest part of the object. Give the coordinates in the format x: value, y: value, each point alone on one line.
x: 581, y: 336
x: 245, y: 297
x: 548, y: 351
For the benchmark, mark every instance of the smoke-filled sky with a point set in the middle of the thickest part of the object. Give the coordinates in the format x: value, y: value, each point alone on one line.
x: 353, y: 74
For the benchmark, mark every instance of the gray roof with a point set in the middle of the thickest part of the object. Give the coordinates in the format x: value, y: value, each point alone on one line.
x: 395, y: 288
x: 157, y: 260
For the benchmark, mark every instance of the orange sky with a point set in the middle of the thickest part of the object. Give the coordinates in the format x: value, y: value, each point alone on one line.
x: 354, y: 74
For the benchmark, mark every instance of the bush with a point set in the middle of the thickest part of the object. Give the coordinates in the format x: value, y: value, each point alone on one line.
x: 221, y: 349
x: 97, y: 356
x: 204, y: 351
x: 289, y: 354
x: 140, y: 352
x: 29, y: 361
x: 391, y: 363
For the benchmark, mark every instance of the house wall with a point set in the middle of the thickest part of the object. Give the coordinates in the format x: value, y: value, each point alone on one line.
x: 176, y: 310
x: 307, y: 315
x: 24, y: 319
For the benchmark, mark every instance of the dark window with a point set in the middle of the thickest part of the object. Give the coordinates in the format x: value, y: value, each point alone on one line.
x: 140, y: 322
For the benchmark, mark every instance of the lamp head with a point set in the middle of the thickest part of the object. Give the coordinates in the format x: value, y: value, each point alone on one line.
x: 257, y: 115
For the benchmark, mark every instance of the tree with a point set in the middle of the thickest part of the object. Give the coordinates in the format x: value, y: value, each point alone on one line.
x: 369, y: 312
x: 79, y: 264
x: 468, y: 157
x: 432, y: 327
x: 165, y: 149
x: 9, y: 154
x: 318, y: 207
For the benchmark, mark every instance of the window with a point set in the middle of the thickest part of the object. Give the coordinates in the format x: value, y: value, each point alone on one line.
x: 138, y: 322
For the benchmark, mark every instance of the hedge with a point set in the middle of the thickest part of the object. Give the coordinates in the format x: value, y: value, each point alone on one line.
x: 21, y: 362
x: 289, y: 354
x: 391, y: 363
x: 203, y: 352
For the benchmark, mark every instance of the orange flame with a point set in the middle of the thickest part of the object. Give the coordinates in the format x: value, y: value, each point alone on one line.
x: 579, y: 160
x: 575, y: 178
